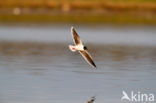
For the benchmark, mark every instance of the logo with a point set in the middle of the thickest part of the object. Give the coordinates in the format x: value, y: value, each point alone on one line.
x: 137, y: 97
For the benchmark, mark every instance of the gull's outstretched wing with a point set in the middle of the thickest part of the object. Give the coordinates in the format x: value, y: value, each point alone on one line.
x: 87, y: 57
x: 76, y: 37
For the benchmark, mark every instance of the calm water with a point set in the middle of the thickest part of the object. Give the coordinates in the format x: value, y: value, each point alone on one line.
x: 36, y: 65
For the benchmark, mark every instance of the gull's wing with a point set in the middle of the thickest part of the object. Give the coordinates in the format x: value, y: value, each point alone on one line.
x: 76, y: 37
x: 87, y: 57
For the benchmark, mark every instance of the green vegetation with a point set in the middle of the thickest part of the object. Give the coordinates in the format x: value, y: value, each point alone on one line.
x: 81, y: 11
x: 89, y: 19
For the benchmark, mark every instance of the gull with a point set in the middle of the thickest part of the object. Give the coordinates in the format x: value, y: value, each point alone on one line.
x: 81, y: 48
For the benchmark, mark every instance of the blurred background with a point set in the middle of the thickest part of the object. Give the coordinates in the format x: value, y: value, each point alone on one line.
x: 36, y: 65
x: 79, y: 11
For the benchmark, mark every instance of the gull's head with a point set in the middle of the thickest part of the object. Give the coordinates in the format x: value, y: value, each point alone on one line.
x: 85, y: 48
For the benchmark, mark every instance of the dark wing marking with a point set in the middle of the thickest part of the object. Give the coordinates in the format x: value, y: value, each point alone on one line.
x: 87, y: 57
x: 76, y: 37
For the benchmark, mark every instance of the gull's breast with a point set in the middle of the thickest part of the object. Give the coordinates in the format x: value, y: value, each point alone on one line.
x: 79, y: 47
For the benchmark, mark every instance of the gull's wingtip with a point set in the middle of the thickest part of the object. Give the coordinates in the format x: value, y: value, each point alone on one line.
x: 72, y: 27
x: 95, y: 67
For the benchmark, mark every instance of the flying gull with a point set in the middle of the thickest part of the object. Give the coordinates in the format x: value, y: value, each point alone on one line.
x: 81, y: 48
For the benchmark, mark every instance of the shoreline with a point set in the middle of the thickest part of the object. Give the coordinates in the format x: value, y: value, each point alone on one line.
x: 72, y: 11
x: 107, y: 18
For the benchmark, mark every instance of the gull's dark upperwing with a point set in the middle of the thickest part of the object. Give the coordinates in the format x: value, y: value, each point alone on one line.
x: 76, y: 37
x: 88, y: 58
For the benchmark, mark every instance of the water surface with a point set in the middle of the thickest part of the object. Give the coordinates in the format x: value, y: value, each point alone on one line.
x: 36, y: 65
